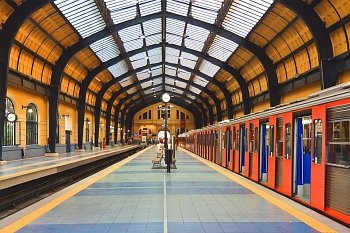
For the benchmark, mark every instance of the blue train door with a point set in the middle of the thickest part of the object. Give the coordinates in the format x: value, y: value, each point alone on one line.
x: 263, y: 155
x: 242, y: 149
x: 302, y: 155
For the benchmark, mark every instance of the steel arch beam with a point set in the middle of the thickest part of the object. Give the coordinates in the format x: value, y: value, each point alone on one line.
x: 110, y: 103
x: 7, y: 34
x: 321, y: 37
x: 151, y: 101
x: 64, y: 59
x: 121, y: 104
x: 86, y: 82
x: 116, y: 80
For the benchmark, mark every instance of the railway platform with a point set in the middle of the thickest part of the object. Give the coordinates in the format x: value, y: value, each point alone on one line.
x: 198, y: 196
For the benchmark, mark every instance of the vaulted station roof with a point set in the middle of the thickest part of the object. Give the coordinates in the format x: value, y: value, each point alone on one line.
x: 217, y: 56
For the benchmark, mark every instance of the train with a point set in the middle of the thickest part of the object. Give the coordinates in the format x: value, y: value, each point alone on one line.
x: 300, y: 149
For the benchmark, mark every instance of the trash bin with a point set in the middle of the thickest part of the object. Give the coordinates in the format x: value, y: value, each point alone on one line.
x: 168, y: 158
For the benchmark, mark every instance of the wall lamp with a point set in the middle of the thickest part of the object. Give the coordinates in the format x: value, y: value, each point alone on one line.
x: 29, y: 109
x: 65, y: 115
x: 87, y: 121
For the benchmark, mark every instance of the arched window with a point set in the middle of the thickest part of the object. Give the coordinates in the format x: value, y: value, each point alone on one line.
x: 9, y: 126
x: 31, y: 125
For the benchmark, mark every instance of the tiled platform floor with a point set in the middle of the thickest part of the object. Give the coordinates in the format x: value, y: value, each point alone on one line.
x: 135, y: 198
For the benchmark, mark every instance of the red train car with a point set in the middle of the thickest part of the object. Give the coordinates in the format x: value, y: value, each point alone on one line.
x: 300, y: 149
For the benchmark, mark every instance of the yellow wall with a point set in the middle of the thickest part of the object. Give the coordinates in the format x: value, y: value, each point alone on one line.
x: 344, y: 77
x: 300, y: 93
x: 261, y: 106
x: 22, y: 96
x: 238, y: 113
x: 155, y: 125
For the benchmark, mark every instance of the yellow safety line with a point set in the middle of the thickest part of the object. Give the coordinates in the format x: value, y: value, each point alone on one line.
x: 289, y: 209
x: 15, y: 226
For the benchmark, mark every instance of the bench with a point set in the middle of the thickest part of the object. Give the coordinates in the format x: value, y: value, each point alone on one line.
x: 157, y: 161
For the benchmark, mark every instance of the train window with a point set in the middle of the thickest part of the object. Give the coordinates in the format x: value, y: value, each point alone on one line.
x: 317, y: 156
x: 279, y: 138
x: 234, y: 138
x: 224, y: 138
x: 338, y: 143
x: 288, y: 141
x: 306, y: 134
x: 246, y: 140
x: 251, y: 138
x: 256, y: 140
x: 271, y: 140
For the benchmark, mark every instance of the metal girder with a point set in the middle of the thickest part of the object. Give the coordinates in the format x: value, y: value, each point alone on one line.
x: 7, y: 34
x: 321, y: 37
x: 116, y: 80
x: 229, y: 69
x: 126, y: 99
x: 115, y: 95
x: 86, y: 82
x: 151, y: 101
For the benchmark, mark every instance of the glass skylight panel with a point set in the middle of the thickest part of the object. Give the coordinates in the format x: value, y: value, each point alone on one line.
x: 172, y: 55
x: 132, y: 90
x: 191, y: 96
x: 252, y: 12
x: 175, y: 26
x: 168, y: 88
x: 138, y: 56
x: 154, y: 52
x: 126, y: 81
x: 143, y: 75
x: 222, y: 48
x: 183, y: 74
x: 178, y: 91
x: 133, y: 45
x: 197, y: 33
x: 209, y: 68
x: 157, y: 72
x: 194, y: 44
x: 157, y: 81
x: 169, y: 70
x: 171, y: 59
x: 149, y: 7
x: 83, y: 15
x: 130, y: 33
x: 169, y: 80
x: 186, y: 100
x: 208, y: 16
x: 139, y: 63
x: 147, y: 92
x: 153, y: 39
x: 188, y: 63
x: 118, y: 69
x: 155, y: 55
x: 153, y: 26
x: 194, y: 89
x: 155, y: 59
x: 181, y: 84
x: 200, y: 81
x: 105, y: 49
x: 174, y: 39
x: 189, y: 56
x: 177, y: 7
x: 121, y: 10
x: 146, y: 84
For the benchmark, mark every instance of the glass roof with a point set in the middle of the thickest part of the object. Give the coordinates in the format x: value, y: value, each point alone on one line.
x: 86, y: 18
